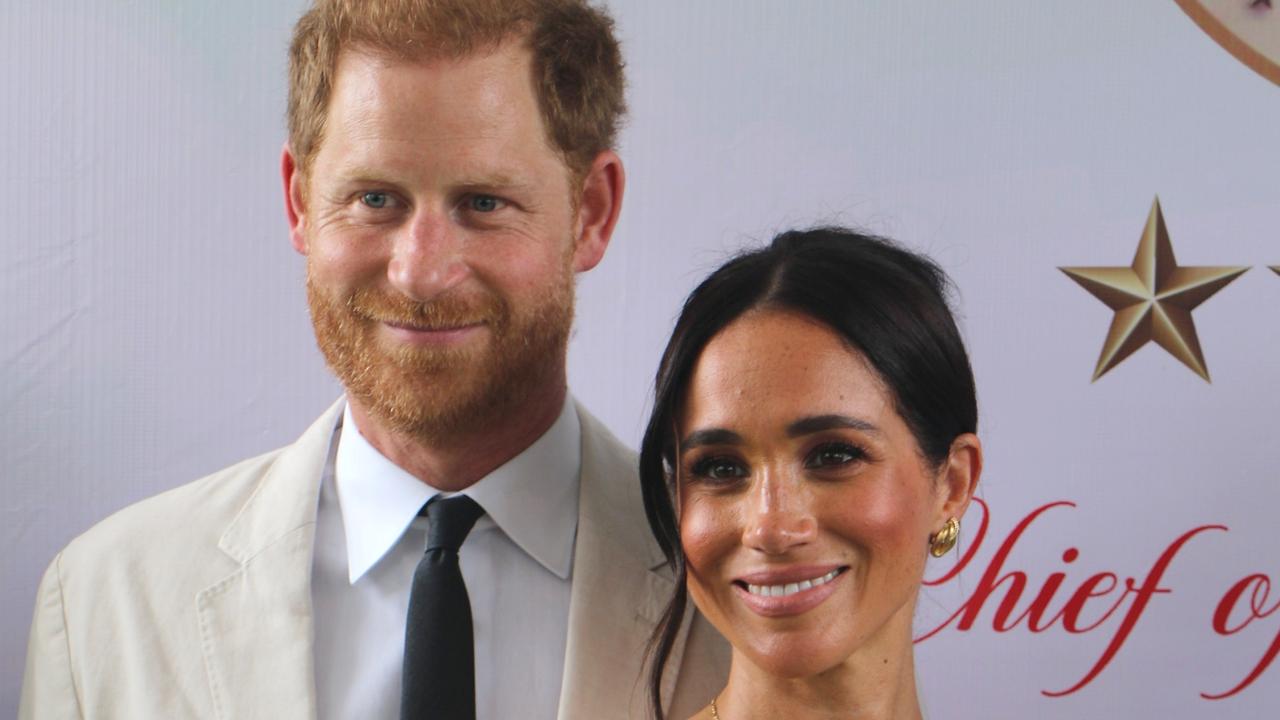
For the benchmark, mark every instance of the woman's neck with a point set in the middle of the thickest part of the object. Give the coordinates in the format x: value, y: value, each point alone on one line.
x: 867, y: 686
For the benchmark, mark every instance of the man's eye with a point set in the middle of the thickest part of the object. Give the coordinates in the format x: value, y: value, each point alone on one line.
x: 832, y: 455
x: 376, y: 200
x: 718, y: 468
x: 484, y: 203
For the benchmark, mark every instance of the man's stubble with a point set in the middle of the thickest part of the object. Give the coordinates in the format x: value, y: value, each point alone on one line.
x: 436, y: 394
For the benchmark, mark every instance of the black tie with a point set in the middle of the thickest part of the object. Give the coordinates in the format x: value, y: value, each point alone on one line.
x: 439, y: 651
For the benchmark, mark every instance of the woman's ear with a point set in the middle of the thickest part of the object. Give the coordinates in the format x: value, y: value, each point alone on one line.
x: 958, y: 478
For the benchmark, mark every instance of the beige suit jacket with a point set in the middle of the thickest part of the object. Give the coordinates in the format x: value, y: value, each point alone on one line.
x: 196, y: 603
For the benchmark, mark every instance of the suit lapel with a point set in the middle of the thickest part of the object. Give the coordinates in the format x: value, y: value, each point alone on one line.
x: 256, y: 624
x: 620, y: 588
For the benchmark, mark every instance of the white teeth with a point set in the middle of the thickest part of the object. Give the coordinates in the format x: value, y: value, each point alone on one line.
x: 791, y: 588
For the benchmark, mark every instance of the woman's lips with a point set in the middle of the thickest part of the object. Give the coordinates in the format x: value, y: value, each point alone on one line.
x: 788, y: 591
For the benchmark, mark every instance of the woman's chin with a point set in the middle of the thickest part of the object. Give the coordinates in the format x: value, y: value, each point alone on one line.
x: 792, y: 660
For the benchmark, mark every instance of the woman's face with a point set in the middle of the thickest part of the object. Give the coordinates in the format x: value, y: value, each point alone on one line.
x: 805, y: 505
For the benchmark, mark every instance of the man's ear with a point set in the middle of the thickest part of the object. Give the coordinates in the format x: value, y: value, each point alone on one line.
x: 958, y: 478
x: 294, y: 206
x: 598, y: 209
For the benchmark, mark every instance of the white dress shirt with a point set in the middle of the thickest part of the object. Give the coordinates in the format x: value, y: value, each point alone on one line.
x: 516, y: 563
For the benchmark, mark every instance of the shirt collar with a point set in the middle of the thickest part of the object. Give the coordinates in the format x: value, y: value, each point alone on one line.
x: 533, y: 498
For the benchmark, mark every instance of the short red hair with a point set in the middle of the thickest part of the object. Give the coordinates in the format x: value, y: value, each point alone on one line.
x: 577, y: 64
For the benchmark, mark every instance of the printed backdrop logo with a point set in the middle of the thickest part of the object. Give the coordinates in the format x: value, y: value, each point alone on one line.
x: 1153, y: 299
x: 1248, y: 29
x: 1106, y: 601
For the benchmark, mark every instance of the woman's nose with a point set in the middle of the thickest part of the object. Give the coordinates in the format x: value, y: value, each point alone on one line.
x: 780, y: 519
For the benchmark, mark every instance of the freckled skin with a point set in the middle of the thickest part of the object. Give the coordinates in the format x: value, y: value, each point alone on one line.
x: 872, y: 513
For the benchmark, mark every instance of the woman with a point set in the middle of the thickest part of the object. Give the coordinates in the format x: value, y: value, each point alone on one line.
x: 812, y: 440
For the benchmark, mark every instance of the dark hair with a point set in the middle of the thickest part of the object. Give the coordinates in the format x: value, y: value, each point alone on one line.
x: 886, y: 302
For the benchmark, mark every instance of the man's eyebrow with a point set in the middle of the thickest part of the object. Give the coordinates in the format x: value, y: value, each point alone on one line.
x: 357, y: 174
x: 710, y: 436
x: 492, y: 180
x: 818, y: 423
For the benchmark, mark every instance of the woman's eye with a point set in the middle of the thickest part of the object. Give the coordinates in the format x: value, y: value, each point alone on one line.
x: 718, y: 468
x: 375, y: 200
x: 833, y: 455
x: 484, y: 203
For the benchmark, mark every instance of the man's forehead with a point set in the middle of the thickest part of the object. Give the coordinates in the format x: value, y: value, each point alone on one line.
x: 479, y: 92
x: 511, y: 56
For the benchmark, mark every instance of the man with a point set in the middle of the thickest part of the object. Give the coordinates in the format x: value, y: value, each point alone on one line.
x: 449, y: 169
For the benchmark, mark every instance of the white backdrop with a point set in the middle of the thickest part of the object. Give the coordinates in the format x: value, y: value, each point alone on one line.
x: 154, y: 322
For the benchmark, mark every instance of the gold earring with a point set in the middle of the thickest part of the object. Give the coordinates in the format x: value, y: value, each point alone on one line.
x: 941, y: 542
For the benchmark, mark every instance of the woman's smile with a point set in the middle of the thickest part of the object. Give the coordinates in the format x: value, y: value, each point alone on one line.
x: 788, y: 591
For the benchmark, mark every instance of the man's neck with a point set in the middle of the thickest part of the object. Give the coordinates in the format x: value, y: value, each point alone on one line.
x: 460, y: 461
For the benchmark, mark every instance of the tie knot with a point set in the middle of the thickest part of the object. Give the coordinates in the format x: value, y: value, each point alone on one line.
x: 451, y: 519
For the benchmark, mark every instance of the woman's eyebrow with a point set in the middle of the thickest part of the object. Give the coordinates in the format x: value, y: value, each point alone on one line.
x: 710, y: 436
x: 818, y: 423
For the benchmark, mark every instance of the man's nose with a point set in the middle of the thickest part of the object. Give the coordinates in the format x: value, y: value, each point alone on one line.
x: 781, y: 517
x: 428, y: 256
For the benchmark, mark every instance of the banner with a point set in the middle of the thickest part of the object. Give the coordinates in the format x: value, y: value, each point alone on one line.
x: 1099, y: 178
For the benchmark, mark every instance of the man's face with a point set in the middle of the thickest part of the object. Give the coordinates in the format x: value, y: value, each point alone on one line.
x: 440, y: 233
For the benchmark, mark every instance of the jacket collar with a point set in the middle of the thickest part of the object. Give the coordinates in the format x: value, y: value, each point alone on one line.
x: 620, y: 588
x: 285, y: 500
x: 256, y: 624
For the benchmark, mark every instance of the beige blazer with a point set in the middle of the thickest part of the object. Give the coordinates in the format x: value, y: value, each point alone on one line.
x: 196, y: 603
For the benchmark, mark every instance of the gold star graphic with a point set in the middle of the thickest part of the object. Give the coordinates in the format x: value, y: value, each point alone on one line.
x: 1153, y: 299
